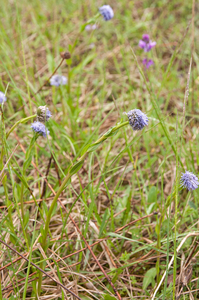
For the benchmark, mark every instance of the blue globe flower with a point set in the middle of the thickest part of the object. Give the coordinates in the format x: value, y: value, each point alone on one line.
x: 189, y: 181
x: 40, y: 128
x: 137, y: 119
x: 107, y: 12
x: 58, y: 80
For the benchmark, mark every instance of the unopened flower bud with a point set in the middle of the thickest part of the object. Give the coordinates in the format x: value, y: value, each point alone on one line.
x: 65, y: 55
x: 43, y: 114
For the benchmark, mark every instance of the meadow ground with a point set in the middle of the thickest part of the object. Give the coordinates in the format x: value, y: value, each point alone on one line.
x: 96, y: 205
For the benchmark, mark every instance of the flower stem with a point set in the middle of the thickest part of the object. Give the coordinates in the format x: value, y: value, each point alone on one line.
x: 24, y: 120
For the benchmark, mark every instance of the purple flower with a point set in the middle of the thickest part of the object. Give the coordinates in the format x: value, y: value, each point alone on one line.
x: 189, y: 181
x: 91, y: 27
x: 107, y: 12
x: 2, y: 97
x: 137, y: 119
x: 146, y: 43
x: 40, y: 128
x: 43, y: 114
x: 58, y: 80
x: 147, y: 62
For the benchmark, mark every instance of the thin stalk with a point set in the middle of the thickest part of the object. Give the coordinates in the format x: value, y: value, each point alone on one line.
x: 21, y: 201
x: 175, y: 223
x: 1, y: 297
x: 69, y: 82
x: 63, y: 104
x: 23, y: 214
x: 158, y: 253
x: 24, y: 120
x: 36, y: 161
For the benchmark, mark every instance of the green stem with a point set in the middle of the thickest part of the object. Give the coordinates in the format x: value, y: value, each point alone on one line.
x: 1, y: 297
x: 37, y: 164
x: 175, y: 233
x: 61, y: 188
x: 69, y: 82
x: 158, y: 247
x: 21, y: 200
x: 23, y: 215
x: 63, y: 104
x: 19, y: 122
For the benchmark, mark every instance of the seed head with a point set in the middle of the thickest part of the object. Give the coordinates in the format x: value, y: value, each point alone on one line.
x: 107, y: 12
x: 2, y: 97
x: 189, y: 181
x: 58, y: 80
x: 146, y: 43
x: 43, y: 114
x: 137, y: 119
x: 40, y: 128
x: 65, y: 55
x: 147, y: 62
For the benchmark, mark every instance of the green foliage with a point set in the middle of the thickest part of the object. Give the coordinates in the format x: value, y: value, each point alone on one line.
x: 149, y: 278
x: 109, y: 297
x: 106, y: 175
x: 125, y: 256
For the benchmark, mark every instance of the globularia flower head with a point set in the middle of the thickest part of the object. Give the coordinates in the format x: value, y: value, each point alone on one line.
x: 90, y: 27
x: 43, y: 114
x: 58, y: 80
x: 40, y: 128
x: 137, y: 119
x: 2, y: 97
x: 107, y: 12
x: 146, y: 43
x: 189, y: 181
x: 147, y: 62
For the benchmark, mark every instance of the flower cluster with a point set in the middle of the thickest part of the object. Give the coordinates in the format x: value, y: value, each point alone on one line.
x: 2, y: 97
x: 40, y: 128
x: 107, y: 12
x: 189, y: 181
x: 147, y: 62
x: 58, y: 80
x: 137, y: 119
x: 43, y: 115
x: 146, y: 44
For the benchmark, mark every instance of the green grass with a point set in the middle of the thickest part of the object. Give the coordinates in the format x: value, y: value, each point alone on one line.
x: 106, y: 185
